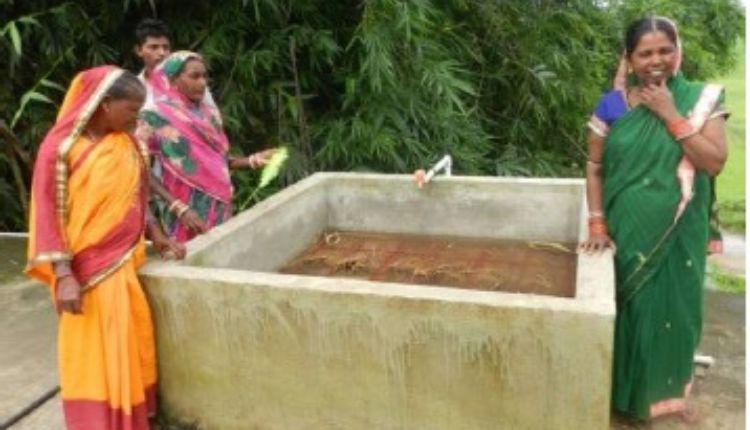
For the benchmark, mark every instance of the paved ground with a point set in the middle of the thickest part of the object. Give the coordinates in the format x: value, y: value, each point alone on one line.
x: 28, y: 368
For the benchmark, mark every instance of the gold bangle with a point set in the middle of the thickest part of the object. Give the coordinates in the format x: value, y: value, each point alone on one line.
x: 174, y: 205
x: 182, y: 209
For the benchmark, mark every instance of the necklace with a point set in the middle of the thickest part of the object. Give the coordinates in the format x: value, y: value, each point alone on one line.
x: 633, y: 96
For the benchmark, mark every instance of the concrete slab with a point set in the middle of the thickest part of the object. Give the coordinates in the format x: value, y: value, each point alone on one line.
x: 28, y: 332
x: 48, y: 416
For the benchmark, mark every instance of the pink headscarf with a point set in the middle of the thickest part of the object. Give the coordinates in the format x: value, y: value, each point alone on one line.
x: 49, y: 192
x: 195, y: 129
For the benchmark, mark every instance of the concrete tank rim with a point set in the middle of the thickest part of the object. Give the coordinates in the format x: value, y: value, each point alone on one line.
x: 592, y: 305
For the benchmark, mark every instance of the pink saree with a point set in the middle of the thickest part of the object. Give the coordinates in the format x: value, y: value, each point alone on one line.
x: 189, y: 149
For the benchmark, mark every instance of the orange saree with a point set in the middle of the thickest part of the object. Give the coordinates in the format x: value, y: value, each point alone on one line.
x: 88, y: 207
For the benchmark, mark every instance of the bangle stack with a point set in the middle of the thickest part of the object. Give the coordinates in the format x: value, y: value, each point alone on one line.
x: 178, y: 208
x: 597, y: 224
x: 680, y: 129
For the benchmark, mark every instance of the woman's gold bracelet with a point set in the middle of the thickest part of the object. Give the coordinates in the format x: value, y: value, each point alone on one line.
x: 182, y: 209
x: 178, y: 208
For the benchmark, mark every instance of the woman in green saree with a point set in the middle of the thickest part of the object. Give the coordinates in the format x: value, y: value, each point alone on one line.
x: 653, y: 150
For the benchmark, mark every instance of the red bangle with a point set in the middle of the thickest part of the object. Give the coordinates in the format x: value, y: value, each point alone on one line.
x: 680, y: 128
x: 597, y: 226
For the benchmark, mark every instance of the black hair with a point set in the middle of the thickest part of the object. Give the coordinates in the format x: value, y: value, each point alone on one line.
x: 150, y: 27
x: 637, y: 29
x: 127, y: 86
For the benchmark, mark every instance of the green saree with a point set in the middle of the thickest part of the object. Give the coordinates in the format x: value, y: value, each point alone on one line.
x: 660, y: 260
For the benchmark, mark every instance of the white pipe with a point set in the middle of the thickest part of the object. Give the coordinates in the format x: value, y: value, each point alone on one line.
x: 445, y: 163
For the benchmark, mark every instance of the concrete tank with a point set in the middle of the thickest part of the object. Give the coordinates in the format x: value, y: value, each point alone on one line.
x: 241, y: 346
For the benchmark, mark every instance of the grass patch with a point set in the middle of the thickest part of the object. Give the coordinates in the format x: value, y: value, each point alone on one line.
x: 724, y: 281
x: 732, y: 215
x: 731, y: 182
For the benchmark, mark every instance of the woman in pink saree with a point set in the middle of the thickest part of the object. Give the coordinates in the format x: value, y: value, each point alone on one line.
x: 190, y: 150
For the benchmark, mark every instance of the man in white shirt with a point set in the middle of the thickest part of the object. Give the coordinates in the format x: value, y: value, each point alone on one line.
x: 152, y: 46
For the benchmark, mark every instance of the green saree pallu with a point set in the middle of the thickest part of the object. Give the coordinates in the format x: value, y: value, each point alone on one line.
x: 661, y: 254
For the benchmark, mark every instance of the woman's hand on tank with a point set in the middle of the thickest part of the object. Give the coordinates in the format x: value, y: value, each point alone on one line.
x: 167, y: 248
x: 419, y: 177
x: 596, y: 243
x: 659, y: 100
x: 193, y: 221
x: 68, y: 295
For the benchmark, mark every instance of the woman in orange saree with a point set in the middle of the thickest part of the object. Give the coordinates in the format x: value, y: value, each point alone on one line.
x: 87, y: 221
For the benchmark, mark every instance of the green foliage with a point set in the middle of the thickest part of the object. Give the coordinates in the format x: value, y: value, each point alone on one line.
x: 724, y: 281
x: 731, y: 183
x: 732, y: 214
x: 381, y: 85
x: 407, y: 94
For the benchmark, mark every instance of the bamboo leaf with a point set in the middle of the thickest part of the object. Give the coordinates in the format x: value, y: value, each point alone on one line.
x: 29, y: 20
x: 49, y: 84
x: 15, y: 37
x: 25, y: 99
x: 33, y: 95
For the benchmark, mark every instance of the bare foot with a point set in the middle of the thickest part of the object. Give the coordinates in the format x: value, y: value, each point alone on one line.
x: 690, y: 415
